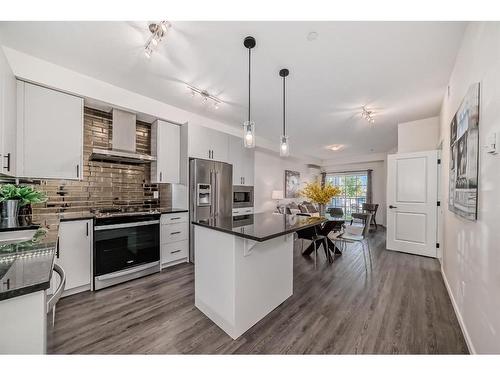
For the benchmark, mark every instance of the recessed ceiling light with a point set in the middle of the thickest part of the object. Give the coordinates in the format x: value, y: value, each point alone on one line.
x: 313, y: 35
x: 335, y: 147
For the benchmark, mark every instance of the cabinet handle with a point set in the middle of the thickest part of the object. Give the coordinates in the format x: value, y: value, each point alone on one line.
x: 160, y: 176
x: 174, y: 218
x: 87, y: 228
x: 243, y: 180
x: 171, y: 233
x: 78, y: 171
x: 8, y: 161
x: 175, y: 251
x: 209, y: 154
x: 57, y: 249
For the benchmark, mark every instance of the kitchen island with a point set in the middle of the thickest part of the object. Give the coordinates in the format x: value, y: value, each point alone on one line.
x: 244, y: 266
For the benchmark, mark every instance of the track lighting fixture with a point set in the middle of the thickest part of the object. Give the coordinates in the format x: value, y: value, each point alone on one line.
x: 158, y: 32
x: 367, y: 114
x: 205, y: 96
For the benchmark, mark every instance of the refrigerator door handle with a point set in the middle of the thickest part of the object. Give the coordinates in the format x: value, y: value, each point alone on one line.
x: 211, y: 194
x: 217, y: 178
x: 216, y: 210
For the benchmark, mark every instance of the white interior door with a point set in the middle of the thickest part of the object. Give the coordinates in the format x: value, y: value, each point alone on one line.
x: 412, y: 202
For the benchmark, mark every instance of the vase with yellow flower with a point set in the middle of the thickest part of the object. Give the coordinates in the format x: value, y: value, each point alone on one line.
x: 321, y: 194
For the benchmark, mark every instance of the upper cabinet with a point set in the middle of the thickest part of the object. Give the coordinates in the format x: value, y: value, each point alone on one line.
x: 50, y: 133
x: 8, y: 125
x: 165, y: 145
x: 206, y: 143
x: 243, y: 162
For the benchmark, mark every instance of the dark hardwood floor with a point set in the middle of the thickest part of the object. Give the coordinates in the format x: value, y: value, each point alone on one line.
x: 400, y: 306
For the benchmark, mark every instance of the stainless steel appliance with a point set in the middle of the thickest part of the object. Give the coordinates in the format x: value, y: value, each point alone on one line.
x: 126, y: 246
x: 210, y: 193
x: 242, y: 196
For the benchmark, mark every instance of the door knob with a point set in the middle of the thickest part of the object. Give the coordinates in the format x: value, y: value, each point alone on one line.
x: 391, y: 206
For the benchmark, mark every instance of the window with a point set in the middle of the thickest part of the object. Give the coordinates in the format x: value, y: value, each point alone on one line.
x: 353, y: 191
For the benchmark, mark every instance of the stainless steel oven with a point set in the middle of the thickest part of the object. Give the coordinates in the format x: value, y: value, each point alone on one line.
x: 242, y: 196
x: 125, y: 247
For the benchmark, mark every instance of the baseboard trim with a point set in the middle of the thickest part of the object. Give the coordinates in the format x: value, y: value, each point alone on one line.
x: 461, y: 322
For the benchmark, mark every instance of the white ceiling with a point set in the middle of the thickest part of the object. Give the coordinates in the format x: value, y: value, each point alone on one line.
x: 400, y: 69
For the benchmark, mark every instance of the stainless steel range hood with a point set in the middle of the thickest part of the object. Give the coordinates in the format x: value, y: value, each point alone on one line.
x: 123, y: 141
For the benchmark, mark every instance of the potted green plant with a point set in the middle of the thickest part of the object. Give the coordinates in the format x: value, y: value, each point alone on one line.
x: 13, y: 197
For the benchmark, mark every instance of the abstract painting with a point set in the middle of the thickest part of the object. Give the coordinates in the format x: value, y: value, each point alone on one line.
x: 464, y: 156
x: 292, y: 184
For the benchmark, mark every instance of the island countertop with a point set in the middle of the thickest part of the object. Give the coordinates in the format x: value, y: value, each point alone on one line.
x: 261, y: 226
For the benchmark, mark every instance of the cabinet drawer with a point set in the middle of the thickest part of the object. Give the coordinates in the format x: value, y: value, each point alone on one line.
x: 180, y: 217
x: 242, y: 211
x: 174, y: 251
x: 173, y: 232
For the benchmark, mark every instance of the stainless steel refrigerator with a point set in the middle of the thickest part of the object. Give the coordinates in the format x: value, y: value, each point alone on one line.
x: 211, y: 193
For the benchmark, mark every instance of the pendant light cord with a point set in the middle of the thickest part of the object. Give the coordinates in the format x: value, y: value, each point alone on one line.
x: 284, y: 130
x: 249, y: 79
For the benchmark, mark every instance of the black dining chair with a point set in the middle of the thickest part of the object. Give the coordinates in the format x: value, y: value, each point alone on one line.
x: 312, y: 234
x: 336, y: 211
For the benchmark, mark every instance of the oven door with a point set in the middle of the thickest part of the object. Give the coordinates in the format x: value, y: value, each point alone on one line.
x: 125, y: 245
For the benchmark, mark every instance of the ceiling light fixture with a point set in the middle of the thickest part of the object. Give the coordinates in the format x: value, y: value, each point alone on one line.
x: 205, y: 96
x: 158, y: 32
x: 284, y: 144
x: 313, y: 35
x: 249, y: 125
x: 367, y: 114
x: 335, y: 147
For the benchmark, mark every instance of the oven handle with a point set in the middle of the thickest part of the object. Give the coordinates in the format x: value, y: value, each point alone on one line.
x: 126, y: 225
x: 127, y: 271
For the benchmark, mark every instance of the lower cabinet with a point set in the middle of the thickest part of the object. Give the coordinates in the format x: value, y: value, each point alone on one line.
x: 174, y: 243
x: 74, y: 255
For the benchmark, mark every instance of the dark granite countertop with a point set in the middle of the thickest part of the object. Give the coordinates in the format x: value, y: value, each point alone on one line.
x: 262, y: 226
x: 25, y: 268
x: 20, y: 223
x: 73, y: 216
x: 172, y: 210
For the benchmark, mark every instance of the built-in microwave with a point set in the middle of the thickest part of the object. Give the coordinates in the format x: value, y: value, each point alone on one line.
x: 242, y: 196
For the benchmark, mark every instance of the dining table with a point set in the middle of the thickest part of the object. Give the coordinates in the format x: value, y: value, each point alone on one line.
x: 332, y: 223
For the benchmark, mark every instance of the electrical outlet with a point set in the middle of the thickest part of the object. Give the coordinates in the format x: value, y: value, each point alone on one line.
x: 156, y: 194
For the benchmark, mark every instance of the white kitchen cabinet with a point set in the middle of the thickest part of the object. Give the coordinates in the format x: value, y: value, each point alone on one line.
x: 206, y: 143
x: 8, y: 111
x: 174, y: 239
x: 242, y: 160
x: 165, y: 145
x: 50, y: 133
x: 74, y: 254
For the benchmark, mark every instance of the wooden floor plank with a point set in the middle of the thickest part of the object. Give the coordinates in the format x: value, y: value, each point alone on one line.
x: 399, y: 306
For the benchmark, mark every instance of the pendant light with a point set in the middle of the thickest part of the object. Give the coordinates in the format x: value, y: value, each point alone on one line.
x: 249, y: 125
x: 284, y: 144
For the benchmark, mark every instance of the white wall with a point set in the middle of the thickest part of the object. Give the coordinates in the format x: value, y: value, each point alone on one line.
x: 270, y: 175
x: 379, y: 182
x: 471, y: 254
x: 420, y: 135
